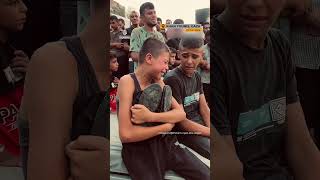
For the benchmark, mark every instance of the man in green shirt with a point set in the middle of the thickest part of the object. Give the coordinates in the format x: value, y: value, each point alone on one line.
x: 139, y: 35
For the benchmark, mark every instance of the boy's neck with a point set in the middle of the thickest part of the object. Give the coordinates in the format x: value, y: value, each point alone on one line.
x: 144, y: 78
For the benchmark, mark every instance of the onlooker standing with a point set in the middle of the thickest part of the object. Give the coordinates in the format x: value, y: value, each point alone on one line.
x: 139, y: 35
x: 120, y: 47
x: 134, y: 19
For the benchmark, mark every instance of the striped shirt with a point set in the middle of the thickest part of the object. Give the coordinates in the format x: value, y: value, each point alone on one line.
x: 305, y: 47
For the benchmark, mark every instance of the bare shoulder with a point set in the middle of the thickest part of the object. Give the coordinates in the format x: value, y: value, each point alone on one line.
x: 126, y: 85
x: 54, y: 55
x: 126, y: 80
x: 52, y: 69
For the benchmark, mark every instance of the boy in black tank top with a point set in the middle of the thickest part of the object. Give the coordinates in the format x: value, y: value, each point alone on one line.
x: 148, y: 151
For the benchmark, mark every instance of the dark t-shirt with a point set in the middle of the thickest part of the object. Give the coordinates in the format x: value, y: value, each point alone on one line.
x: 251, y: 89
x: 186, y: 90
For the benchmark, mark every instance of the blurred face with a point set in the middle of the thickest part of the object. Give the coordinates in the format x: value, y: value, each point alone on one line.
x: 134, y: 18
x: 160, y: 65
x: 121, y: 24
x: 12, y: 15
x: 172, y: 58
x: 114, y: 25
x: 254, y: 16
x: 150, y: 17
x: 206, y: 28
x: 189, y: 59
x: 158, y: 25
x: 114, y: 65
x: 168, y: 21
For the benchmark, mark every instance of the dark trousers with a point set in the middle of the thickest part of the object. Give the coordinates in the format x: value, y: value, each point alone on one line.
x: 308, y: 85
x: 200, y: 144
x: 150, y: 159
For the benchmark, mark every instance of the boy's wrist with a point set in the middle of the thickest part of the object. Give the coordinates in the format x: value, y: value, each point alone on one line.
x: 151, y: 117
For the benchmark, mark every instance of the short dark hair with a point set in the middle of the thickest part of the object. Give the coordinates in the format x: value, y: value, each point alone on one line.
x: 172, y: 50
x: 153, y: 46
x: 112, y: 55
x: 178, y: 21
x: 121, y: 20
x: 191, y: 42
x: 173, y: 43
x: 159, y: 19
x: 113, y: 17
x: 144, y: 6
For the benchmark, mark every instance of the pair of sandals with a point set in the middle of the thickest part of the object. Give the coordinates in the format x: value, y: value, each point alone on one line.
x: 156, y: 99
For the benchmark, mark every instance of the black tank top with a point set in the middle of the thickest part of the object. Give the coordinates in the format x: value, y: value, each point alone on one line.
x: 90, y: 114
x: 137, y: 89
x: 89, y: 98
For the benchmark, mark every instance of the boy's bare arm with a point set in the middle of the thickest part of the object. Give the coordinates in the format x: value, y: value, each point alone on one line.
x: 190, y: 126
x: 302, y: 153
x: 225, y: 162
x: 141, y: 114
x: 204, y: 110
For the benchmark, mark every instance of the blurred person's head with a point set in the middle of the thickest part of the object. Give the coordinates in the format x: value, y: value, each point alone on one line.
x: 154, y: 57
x: 168, y: 21
x: 114, y: 23
x: 206, y: 26
x: 190, y: 53
x: 174, y: 43
x: 173, y: 54
x: 159, y: 22
x: 251, y: 18
x: 114, y: 65
x: 178, y: 21
x: 134, y: 18
x: 148, y: 14
x: 121, y: 23
x: 13, y: 15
